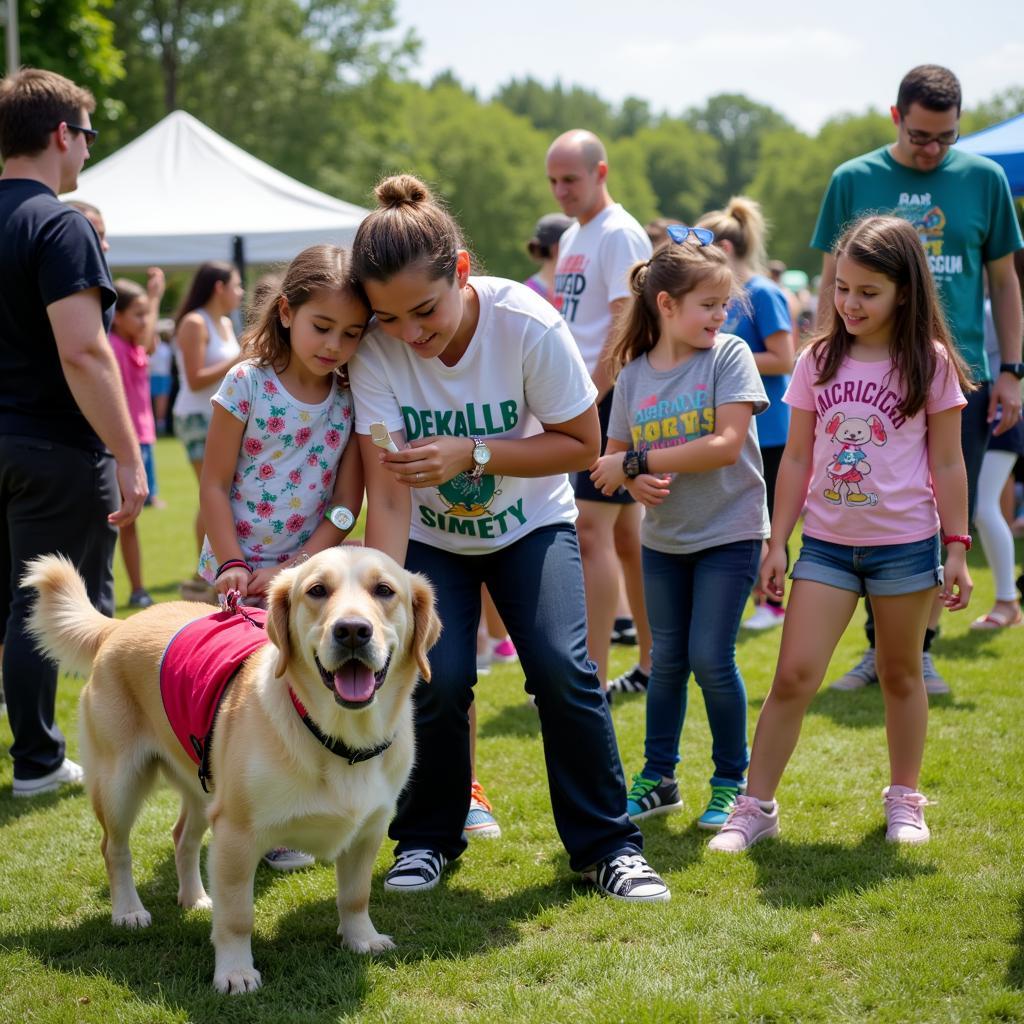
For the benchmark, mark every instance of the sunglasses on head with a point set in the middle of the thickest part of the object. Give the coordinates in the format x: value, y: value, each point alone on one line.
x: 91, y: 134
x: 680, y: 232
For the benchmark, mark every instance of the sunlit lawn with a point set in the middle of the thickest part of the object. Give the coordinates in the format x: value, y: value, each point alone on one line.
x: 829, y: 923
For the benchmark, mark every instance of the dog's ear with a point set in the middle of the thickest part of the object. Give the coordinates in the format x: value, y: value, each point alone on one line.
x: 279, y: 605
x: 426, y: 624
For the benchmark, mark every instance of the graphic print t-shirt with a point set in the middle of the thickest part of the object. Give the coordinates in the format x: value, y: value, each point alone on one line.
x: 870, y: 483
x: 592, y: 271
x: 521, y: 363
x: 963, y: 211
x: 664, y: 408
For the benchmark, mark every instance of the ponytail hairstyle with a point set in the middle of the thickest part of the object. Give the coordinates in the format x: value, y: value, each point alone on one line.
x: 409, y: 227
x: 201, y: 289
x: 743, y: 225
x: 676, y: 268
x: 319, y: 268
x: 891, y: 246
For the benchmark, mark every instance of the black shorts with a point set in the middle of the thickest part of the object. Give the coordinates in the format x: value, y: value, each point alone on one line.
x: 583, y: 486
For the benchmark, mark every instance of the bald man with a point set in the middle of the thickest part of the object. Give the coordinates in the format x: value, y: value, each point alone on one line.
x: 591, y: 285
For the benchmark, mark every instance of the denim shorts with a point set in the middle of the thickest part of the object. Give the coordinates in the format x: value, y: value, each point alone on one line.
x: 191, y: 430
x: 884, y: 569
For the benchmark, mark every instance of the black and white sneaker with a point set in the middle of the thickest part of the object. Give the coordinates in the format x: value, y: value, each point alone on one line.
x: 624, y: 633
x: 633, y: 681
x: 415, y: 871
x: 628, y: 877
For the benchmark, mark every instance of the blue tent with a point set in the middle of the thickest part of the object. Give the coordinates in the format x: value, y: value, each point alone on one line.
x: 1003, y: 143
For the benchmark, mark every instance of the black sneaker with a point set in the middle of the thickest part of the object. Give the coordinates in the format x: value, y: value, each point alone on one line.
x: 624, y: 632
x: 140, y: 599
x: 648, y: 797
x: 628, y: 877
x: 633, y: 681
x: 415, y: 871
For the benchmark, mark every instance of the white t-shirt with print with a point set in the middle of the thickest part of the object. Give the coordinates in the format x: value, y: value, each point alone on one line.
x: 521, y: 363
x: 593, y: 271
x: 286, y: 466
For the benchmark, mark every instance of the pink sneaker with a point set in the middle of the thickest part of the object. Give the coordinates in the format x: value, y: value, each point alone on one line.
x: 904, y: 815
x: 504, y: 651
x: 747, y: 824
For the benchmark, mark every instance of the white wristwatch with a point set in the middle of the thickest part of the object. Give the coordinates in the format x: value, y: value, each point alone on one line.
x: 481, y: 456
x: 341, y: 517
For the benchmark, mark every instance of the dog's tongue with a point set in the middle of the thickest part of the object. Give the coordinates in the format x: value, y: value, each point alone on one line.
x: 354, y: 681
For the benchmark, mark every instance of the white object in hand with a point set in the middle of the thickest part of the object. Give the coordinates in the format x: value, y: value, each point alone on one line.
x: 382, y: 438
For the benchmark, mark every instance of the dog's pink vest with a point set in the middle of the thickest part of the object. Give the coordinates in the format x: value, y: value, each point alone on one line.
x: 200, y: 661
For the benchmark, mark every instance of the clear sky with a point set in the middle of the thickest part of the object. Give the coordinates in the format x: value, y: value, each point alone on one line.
x: 809, y: 60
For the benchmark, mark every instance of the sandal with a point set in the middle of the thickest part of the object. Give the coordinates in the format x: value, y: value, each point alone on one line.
x: 996, y: 621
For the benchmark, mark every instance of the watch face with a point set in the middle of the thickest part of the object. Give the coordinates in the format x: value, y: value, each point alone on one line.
x: 341, y: 517
x: 481, y: 454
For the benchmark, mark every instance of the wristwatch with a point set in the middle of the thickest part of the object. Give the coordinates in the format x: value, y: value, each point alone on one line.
x: 963, y: 538
x: 341, y: 517
x: 634, y: 463
x: 1017, y: 369
x: 481, y: 456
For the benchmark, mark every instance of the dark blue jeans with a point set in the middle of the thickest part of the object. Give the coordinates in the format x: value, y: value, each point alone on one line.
x: 537, y: 586
x: 694, y: 604
x: 53, y: 498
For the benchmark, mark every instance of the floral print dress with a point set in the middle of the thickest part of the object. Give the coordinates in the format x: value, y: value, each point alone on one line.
x: 286, y: 466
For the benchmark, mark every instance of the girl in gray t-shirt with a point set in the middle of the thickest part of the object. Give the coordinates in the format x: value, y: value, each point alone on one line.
x: 682, y: 441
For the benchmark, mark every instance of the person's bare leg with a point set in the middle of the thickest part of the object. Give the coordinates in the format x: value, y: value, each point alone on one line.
x: 496, y: 630
x: 596, y: 529
x: 472, y: 739
x: 899, y: 632
x: 197, y: 468
x: 627, y: 547
x: 816, y: 617
x: 132, y: 555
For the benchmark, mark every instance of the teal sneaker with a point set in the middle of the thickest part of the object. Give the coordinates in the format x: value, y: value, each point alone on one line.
x: 648, y: 797
x: 723, y: 797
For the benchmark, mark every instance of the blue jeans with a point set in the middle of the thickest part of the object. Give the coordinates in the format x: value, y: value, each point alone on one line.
x: 694, y: 605
x: 537, y: 586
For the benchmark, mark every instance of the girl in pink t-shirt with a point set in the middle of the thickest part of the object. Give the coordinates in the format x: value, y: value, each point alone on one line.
x: 133, y: 338
x: 874, y: 454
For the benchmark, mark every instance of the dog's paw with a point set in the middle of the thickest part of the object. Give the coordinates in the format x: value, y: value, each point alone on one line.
x: 134, y: 919
x: 202, y: 902
x: 238, y: 981
x: 372, y: 943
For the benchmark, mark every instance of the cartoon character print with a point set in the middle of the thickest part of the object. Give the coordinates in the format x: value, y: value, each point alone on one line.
x: 851, y: 465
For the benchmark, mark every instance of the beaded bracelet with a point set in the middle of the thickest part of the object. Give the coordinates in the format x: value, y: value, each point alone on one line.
x: 234, y: 563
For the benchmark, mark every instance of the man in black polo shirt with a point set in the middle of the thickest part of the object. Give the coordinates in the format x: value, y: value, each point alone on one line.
x: 62, y: 406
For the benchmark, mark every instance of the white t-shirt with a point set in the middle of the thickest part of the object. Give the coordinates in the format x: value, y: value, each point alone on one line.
x: 593, y: 271
x: 521, y: 363
x: 217, y: 350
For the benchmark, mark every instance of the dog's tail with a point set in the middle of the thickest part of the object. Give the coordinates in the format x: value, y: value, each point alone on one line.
x: 63, y: 622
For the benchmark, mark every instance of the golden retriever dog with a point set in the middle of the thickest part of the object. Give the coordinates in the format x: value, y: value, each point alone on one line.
x: 349, y: 631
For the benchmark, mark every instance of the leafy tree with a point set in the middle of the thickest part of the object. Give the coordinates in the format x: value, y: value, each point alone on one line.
x: 682, y: 166
x: 794, y: 172
x: 75, y: 38
x: 557, y: 109
x: 1000, y: 107
x: 738, y: 124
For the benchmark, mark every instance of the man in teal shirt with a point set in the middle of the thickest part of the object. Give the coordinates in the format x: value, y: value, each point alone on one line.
x: 963, y: 210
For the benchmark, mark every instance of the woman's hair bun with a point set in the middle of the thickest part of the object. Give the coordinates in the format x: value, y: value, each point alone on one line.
x: 402, y: 190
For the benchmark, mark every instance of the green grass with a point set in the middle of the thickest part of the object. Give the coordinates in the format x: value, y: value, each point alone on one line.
x: 828, y: 924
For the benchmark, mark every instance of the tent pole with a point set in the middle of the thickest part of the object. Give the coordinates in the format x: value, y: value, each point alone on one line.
x: 238, y: 255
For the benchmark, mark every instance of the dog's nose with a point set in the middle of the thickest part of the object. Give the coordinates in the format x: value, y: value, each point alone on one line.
x: 353, y: 632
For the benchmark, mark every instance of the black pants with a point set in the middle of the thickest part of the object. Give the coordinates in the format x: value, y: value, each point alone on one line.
x: 53, y: 498
x: 975, y: 431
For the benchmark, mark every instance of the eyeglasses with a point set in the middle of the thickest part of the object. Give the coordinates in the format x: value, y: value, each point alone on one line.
x: 680, y: 232
x: 91, y: 134
x: 917, y: 138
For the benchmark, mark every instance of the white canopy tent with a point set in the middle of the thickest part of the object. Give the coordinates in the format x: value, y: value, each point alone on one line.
x: 180, y: 194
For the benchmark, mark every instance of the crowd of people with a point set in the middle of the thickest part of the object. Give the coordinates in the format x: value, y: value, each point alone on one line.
x: 618, y: 448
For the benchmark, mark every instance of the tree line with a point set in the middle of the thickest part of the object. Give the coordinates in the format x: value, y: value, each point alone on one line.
x: 321, y: 89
